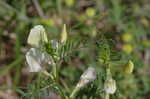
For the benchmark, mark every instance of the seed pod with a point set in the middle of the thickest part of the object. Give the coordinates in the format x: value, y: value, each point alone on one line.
x: 110, y: 86
x: 128, y: 68
x: 88, y: 76
x: 64, y: 35
x: 37, y: 60
x: 37, y: 36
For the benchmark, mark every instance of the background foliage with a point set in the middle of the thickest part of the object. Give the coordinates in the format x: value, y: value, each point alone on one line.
x: 99, y: 31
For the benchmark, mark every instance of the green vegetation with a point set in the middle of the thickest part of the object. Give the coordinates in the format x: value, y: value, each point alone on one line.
x: 102, y: 51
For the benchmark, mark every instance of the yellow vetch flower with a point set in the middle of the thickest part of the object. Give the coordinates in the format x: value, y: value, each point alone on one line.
x: 90, y: 12
x: 127, y: 37
x: 127, y: 48
x: 37, y: 60
x: 110, y: 86
x: 69, y: 3
x: 37, y: 36
x: 64, y: 35
x: 128, y: 68
x: 88, y: 76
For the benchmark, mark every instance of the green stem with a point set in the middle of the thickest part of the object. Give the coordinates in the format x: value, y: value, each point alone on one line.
x: 56, y: 84
x: 48, y: 74
x: 74, y: 92
x: 55, y: 72
x: 59, y: 7
x: 61, y: 92
x: 106, y: 96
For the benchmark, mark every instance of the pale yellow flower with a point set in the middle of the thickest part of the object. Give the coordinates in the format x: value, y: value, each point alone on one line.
x: 37, y: 36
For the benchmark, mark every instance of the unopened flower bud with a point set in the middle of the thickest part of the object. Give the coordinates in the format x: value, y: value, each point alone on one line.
x: 128, y: 68
x: 37, y: 59
x: 88, y: 76
x: 110, y: 86
x: 37, y: 35
x: 64, y: 35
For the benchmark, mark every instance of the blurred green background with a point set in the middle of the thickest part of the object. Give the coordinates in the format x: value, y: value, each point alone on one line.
x: 124, y: 23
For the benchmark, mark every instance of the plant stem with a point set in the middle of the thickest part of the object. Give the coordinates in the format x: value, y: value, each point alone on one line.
x: 61, y: 92
x: 55, y: 72
x: 59, y: 7
x: 74, y: 92
x: 106, y: 96
x: 48, y: 74
x: 56, y: 85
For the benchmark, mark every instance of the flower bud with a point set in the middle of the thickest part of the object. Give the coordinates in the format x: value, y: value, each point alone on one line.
x: 37, y: 60
x: 37, y: 36
x: 128, y: 69
x: 110, y: 86
x: 64, y: 35
x: 88, y: 76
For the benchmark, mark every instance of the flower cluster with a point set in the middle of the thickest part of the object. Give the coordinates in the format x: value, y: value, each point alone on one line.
x: 36, y: 58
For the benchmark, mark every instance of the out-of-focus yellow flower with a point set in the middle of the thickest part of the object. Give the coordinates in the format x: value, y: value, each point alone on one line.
x: 127, y: 48
x: 64, y: 35
x: 128, y: 68
x: 144, y: 21
x: 48, y: 22
x: 69, y: 3
x: 90, y: 12
x: 146, y: 43
x: 127, y: 37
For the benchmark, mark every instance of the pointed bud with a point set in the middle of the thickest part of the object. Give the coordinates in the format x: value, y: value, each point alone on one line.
x: 128, y: 69
x: 88, y: 76
x: 37, y: 60
x: 110, y: 86
x: 64, y: 35
x: 37, y: 36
